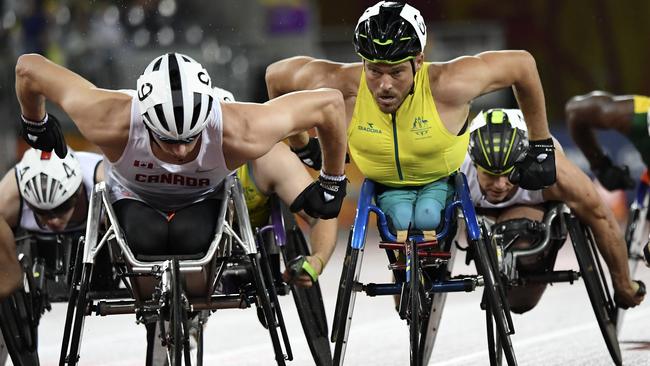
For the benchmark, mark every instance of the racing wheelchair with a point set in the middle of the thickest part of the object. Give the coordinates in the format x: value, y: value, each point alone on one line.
x: 47, y: 262
x: 172, y: 291
x: 636, y: 232
x: 422, y: 271
x: 546, y: 238
x: 282, y: 240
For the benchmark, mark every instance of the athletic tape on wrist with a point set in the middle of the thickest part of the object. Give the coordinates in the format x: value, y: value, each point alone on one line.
x: 335, y: 178
x: 35, y: 123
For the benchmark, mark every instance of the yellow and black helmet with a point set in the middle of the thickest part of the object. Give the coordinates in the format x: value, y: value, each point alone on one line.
x: 390, y: 32
x: 498, y: 139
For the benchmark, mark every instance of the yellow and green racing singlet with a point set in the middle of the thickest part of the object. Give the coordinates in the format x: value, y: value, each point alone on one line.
x: 256, y: 201
x: 640, y: 132
x: 410, y: 147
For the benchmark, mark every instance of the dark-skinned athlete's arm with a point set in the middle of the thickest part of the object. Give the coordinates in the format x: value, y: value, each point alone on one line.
x: 600, y: 110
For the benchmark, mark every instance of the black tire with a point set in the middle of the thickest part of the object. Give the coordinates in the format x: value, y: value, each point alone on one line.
x: 493, y: 294
x: 345, y: 303
x: 19, y: 324
x: 592, y: 275
x: 265, y: 303
x: 415, y: 305
x: 433, y: 305
x: 176, y: 320
x: 309, y: 302
x: 635, y: 240
x: 77, y: 309
x: 273, y: 297
x: 72, y: 301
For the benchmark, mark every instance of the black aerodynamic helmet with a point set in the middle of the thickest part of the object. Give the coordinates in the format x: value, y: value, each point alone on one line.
x: 390, y: 32
x: 498, y: 139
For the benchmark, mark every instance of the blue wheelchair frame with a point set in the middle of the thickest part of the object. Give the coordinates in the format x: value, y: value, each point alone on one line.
x: 349, y: 280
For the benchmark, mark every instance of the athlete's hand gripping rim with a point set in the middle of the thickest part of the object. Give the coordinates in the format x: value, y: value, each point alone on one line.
x: 323, y: 198
x: 301, y: 272
x: 537, y: 169
x: 44, y: 135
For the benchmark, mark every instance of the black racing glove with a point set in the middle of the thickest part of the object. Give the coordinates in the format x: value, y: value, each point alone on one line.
x: 322, y: 199
x: 310, y: 154
x: 45, y: 135
x: 537, y: 169
x: 612, y: 176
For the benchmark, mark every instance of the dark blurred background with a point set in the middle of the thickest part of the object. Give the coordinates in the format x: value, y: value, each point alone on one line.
x: 579, y: 45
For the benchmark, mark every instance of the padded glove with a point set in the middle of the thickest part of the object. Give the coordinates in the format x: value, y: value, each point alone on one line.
x: 537, y: 169
x: 612, y: 176
x: 310, y: 154
x: 322, y: 199
x: 45, y: 135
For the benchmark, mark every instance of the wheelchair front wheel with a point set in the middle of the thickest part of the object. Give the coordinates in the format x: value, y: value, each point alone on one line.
x: 596, y: 284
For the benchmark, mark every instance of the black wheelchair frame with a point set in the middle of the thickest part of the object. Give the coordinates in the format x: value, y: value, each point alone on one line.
x: 558, y: 224
x: 47, y: 264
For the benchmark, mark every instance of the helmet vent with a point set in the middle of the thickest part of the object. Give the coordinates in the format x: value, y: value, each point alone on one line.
x: 161, y: 116
x: 156, y: 66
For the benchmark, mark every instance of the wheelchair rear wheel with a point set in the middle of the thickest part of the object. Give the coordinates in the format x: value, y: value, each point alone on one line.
x: 596, y: 284
x: 415, y: 304
x: 636, y: 236
x: 309, y: 303
x: 496, y: 304
x: 19, y: 323
x: 78, y: 303
x: 264, y: 302
x: 345, y: 301
x: 177, y: 337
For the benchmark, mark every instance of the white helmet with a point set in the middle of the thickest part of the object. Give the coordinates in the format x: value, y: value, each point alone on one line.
x: 223, y: 95
x: 47, y: 181
x: 175, y: 97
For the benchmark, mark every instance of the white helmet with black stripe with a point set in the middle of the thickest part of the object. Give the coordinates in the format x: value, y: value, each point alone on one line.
x: 47, y: 181
x: 175, y: 97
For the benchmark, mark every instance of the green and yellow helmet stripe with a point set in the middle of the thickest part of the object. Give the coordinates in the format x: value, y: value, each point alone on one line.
x: 496, y: 174
x: 480, y: 140
x: 376, y: 60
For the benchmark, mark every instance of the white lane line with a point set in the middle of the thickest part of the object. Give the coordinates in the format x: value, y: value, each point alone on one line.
x: 541, y: 338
